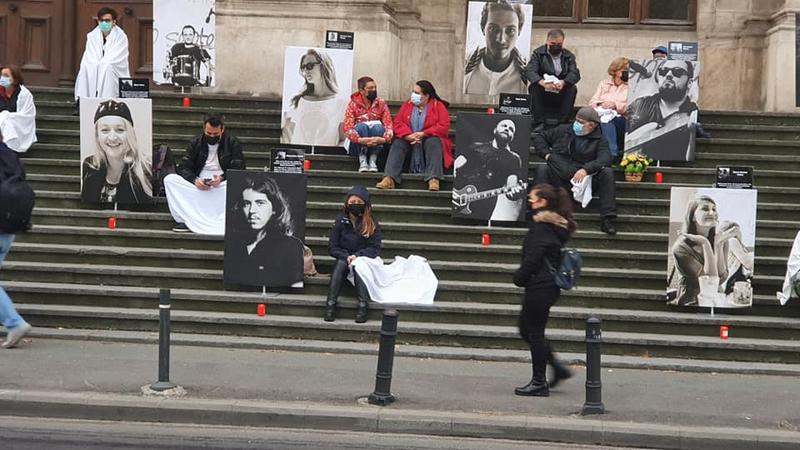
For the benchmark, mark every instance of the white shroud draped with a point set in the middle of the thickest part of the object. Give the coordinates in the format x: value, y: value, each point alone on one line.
x: 407, y: 281
x: 202, y: 211
x: 19, y: 128
x: 792, y: 272
x: 103, y: 65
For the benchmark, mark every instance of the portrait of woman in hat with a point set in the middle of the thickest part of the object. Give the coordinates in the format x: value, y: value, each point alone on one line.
x: 118, y: 171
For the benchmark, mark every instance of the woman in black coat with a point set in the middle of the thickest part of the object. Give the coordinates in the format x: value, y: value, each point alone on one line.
x: 355, y: 234
x: 550, y: 228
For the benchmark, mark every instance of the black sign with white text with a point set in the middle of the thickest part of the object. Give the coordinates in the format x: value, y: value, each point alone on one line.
x: 682, y: 51
x: 729, y: 177
x: 339, y: 39
x: 287, y: 160
x: 519, y: 104
x: 134, y: 88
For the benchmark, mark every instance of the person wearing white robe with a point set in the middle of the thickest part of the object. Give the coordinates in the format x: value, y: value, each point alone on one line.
x: 790, y: 281
x: 17, y: 111
x: 105, y: 59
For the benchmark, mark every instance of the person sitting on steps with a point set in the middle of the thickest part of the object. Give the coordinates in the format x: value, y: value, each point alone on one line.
x: 367, y: 124
x: 421, y: 128
x: 355, y: 234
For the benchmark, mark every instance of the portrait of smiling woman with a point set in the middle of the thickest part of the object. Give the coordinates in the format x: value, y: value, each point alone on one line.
x: 261, y: 243
x: 118, y: 167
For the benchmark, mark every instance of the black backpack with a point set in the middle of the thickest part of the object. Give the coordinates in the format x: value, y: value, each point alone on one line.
x: 163, y: 165
x: 566, y: 277
x: 16, y: 195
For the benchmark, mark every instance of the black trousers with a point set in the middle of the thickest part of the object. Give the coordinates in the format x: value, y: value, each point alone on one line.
x: 532, y: 323
x: 400, y: 152
x: 547, y: 105
x: 603, y: 185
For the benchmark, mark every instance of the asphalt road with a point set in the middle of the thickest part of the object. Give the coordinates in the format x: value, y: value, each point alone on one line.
x: 36, y: 434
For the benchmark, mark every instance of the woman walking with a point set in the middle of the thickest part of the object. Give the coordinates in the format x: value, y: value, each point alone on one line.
x: 550, y: 228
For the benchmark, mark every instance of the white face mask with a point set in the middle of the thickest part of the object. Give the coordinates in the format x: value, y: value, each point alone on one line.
x: 5, y: 81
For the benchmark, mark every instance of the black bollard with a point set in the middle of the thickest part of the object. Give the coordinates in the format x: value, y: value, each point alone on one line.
x: 163, y: 343
x: 383, y: 378
x: 594, y: 392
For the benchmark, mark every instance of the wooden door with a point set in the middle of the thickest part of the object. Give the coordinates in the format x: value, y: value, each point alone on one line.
x: 31, y: 32
x: 135, y: 17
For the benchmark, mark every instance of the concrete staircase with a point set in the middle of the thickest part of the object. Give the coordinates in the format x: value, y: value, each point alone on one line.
x: 74, y: 278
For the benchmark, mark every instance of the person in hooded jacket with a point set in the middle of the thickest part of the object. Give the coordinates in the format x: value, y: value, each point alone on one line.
x: 550, y: 228
x: 355, y: 234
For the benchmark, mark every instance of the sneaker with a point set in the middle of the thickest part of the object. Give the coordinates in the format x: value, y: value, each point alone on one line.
x: 607, y: 226
x: 181, y: 228
x: 363, y: 167
x: 15, y: 335
x: 373, y: 166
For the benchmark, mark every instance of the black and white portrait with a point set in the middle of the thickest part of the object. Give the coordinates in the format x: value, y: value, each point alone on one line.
x: 498, y: 44
x: 116, y: 150
x: 317, y: 84
x: 491, y: 166
x: 711, y: 243
x: 662, y: 109
x: 264, y: 228
x: 183, y: 45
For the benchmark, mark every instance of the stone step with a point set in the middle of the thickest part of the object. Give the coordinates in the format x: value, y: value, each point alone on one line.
x: 748, y: 131
x: 416, y: 333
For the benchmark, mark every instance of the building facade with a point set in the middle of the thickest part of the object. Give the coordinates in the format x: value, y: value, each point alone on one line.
x: 746, y: 46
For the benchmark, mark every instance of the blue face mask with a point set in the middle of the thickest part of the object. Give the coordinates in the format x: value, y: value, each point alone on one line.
x: 416, y: 98
x: 105, y: 27
x: 5, y: 82
x: 578, y: 128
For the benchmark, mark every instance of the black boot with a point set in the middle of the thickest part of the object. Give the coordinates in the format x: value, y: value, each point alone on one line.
x: 560, y: 371
x: 538, y: 384
x: 536, y: 388
x: 363, y: 298
x: 337, y: 277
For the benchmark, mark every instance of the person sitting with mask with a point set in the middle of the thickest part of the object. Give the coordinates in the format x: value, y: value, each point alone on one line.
x: 553, y: 74
x: 17, y: 110
x: 367, y: 124
x: 610, y: 100
x: 573, y: 152
x: 196, y: 194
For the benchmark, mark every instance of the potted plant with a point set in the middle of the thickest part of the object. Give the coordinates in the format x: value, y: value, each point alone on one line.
x: 635, y: 165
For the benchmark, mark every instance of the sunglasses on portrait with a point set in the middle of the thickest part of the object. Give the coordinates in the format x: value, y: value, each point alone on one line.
x: 676, y: 71
x: 309, y: 66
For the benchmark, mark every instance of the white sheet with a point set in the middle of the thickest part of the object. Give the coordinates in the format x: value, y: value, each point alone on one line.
x: 19, y: 128
x: 792, y: 271
x: 582, y: 192
x: 103, y: 66
x: 202, y: 211
x: 407, y: 281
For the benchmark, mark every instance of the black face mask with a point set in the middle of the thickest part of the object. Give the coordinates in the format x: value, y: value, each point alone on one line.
x: 356, y: 209
x: 212, y: 140
x: 372, y: 95
x: 554, y: 50
x: 624, y: 76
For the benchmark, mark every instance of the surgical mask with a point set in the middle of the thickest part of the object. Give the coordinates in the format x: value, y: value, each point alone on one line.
x: 5, y: 82
x: 212, y: 140
x: 416, y: 98
x: 578, y: 128
x: 356, y: 209
x: 105, y: 27
x: 372, y: 95
x: 554, y: 50
x: 624, y: 76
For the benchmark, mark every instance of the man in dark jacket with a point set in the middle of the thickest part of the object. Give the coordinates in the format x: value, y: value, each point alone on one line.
x: 552, y: 73
x: 571, y: 152
x: 196, y: 194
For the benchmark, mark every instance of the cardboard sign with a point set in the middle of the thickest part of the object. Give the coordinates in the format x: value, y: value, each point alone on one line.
x: 134, y: 88
x: 519, y: 104
x: 339, y: 39
x: 287, y: 160
x: 734, y: 177
x: 682, y: 51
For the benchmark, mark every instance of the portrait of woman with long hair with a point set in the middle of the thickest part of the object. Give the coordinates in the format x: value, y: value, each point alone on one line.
x: 118, y: 171
x: 315, y: 114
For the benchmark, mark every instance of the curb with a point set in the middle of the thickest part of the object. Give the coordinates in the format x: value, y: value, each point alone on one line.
x: 304, y: 415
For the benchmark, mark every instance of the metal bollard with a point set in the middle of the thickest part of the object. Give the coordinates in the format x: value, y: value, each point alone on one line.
x: 594, y: 392
x: 163, y: 343
x: 383, y: 378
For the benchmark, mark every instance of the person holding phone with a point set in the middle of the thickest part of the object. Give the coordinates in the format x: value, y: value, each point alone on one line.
x: 196, y: 194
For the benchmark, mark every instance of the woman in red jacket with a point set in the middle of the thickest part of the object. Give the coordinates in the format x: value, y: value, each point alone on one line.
x: 421, y: 136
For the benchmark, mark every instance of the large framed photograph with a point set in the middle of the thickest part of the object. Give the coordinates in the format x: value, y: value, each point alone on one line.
x: 184, y: 33
x: 491, y: 166
x: 498, y: 45
x: 264, y: 228
x: 662, y: 109
x: 712, y: 235
x: 116, y: 150
x: 317, y: 84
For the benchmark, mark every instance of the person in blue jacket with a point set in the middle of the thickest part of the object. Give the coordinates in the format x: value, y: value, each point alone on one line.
x: 355, y: 234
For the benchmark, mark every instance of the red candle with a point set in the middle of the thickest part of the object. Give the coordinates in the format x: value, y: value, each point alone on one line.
x: 486, y: 240
x: 723, y: 332
x: 112, y: 223
x: 262, y: 310
x: 187, y: 102
x: 307, y: 164
x: 490, y: 110
x: 659, y: 177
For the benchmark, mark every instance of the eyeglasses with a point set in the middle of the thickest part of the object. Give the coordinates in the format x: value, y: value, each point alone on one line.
x: 676, y: 71
x: 309, y: 66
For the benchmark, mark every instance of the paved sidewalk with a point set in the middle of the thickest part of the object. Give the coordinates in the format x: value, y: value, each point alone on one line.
x: 669, y: 409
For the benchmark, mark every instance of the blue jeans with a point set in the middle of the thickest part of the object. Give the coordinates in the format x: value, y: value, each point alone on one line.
x: 363, y: 131
x: 8, y: 314
x: 612, y: 131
